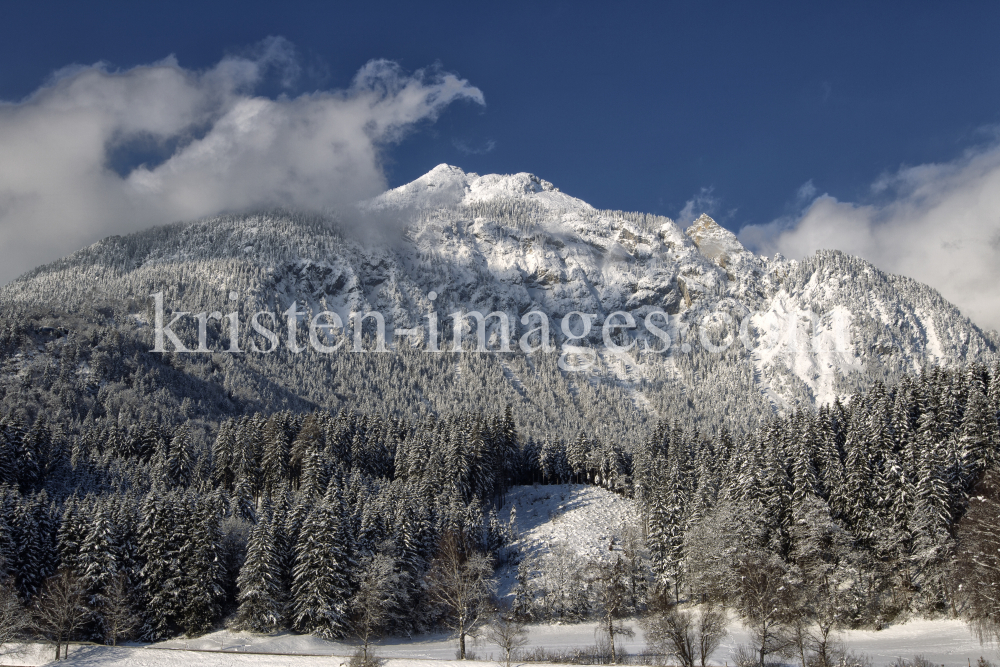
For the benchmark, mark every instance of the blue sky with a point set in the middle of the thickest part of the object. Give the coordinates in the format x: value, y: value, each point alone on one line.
x: 751, y: 111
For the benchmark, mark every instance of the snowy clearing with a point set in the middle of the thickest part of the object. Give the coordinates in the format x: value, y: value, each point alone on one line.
x: 585, y: 518
x: 589, y: 520
x: 942, y: 642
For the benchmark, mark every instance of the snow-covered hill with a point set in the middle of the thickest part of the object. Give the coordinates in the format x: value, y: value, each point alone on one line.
x: 748, y: 335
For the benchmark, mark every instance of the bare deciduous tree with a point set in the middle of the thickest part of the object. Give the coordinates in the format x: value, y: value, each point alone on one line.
x: 611, y: 587
x: 60, y: 609
x: 119, y: 617
x: 372, y: 604
x: 462, y: 583
x: 686, y: 636
x: 13, y: 620
x: 711, y: 632
x: 671, y: 633
x: 508, y: 632
x: 761, y: 599
x: 977, y: 567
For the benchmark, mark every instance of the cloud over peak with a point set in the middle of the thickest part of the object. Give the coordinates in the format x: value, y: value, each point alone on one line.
x: 68, y: 170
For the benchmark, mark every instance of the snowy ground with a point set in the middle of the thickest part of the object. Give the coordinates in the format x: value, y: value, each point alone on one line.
x: 942, y: 642
x: 587, y: 519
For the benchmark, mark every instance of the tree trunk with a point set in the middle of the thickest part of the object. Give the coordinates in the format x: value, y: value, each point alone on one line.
x: 611, y: 636
x: 461, y: 638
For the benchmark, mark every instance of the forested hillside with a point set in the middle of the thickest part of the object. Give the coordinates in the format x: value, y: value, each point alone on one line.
x: 856, y: 513
x: 748, y: 336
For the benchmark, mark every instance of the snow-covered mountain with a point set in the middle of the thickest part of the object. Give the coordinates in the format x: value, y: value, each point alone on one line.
x: 748, y: 334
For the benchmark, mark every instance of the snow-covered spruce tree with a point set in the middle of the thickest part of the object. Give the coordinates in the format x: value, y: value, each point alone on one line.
x: 70, y: 535
x: 320, y: 579
x: 180, y: 460
x: 978, y: 440
x: 159, y: 546
x: 259, y: 580
x: 202, y: 566
x: 8, y: 454
x: 98, y: 564
x: 276, y: 459
x: 35, y: 553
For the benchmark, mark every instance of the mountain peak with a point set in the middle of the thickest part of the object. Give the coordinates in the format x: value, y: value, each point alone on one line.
x: 444, y: 185
x: 447, y: 185
x: 715, y: 242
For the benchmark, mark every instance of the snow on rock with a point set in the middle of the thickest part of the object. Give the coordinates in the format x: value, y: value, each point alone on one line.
x: 447, y: 185
x: 715, y: 243
x: 813, y: 348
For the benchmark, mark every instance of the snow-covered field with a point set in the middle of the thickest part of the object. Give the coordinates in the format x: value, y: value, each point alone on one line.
x: 942, y: 642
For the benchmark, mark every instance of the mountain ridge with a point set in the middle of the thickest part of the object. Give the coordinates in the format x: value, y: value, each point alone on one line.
x: 754, y: 335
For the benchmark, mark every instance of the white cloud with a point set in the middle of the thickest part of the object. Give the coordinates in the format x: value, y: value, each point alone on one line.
x: 225, y: 148
x: 937, y: 223
x: 467, y: 149
x: 806, y: 192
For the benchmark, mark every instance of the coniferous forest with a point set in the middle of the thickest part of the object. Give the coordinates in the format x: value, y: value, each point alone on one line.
x: 344, y: 523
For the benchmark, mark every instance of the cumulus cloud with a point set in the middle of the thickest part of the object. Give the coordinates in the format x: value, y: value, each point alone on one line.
x: 219, y: 146
x: 937, y: 223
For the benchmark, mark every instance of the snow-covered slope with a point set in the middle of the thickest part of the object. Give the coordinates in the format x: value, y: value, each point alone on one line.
x: 748, y: 334
x: 591, y: 521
